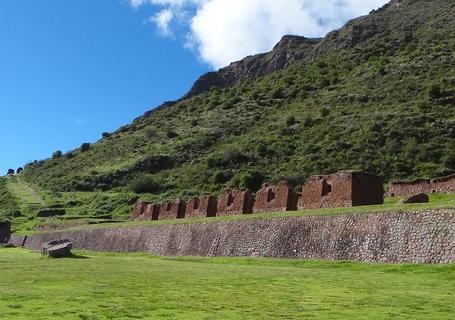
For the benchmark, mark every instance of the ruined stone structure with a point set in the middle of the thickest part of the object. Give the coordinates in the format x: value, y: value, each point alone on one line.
x: 233, y: 202
x: 403, y: 188
x: 145, y: 211
x: 275, y: 199
x: 205, y: 206
x: 138, y: 210
x: 172, y: 210
x: 342, y: 189
x: 437, y: 185
x: 426, y: 236
x: 5, y: 231
x: 152, y: 212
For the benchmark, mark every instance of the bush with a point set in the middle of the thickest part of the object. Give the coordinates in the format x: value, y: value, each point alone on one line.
x: 434, y: 91
x: 57, y: 154
x: 291, y: 120
x: 252, y: 179
x: 324, y: 112
x: 85, y: 147
x: 144, y: 184
x: 105, y: 135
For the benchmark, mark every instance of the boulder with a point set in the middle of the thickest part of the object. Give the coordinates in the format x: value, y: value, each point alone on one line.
x: 60, y: 248
x: 417, y: 198
x: 5, y: 231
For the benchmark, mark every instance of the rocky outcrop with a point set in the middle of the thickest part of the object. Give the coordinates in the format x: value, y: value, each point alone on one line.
x: 426, y: 236
x: 289, y: 50
x: 384, y: 22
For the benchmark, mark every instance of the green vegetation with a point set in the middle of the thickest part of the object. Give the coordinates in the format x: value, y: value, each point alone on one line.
x: 143, y: 287
x: 378, y: 96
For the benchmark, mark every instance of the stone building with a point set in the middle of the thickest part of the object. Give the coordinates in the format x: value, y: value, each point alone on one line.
x: 172, y: 210
x: 436, y: 185
x: 233, y: 202
x: 274, y: 199
x: 152, y: 212
x: 139, y: 210
x: 342, y: 189
x: 205, y: 206
x: 403, y: 188
x: 5, y: 231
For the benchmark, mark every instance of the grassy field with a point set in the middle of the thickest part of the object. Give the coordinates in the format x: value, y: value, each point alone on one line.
x: 116, y: 286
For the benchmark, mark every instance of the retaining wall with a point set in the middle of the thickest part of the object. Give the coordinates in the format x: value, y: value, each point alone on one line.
x: 397, y: 237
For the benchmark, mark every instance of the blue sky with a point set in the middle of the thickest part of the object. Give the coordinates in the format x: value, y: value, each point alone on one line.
x: 70, y: 70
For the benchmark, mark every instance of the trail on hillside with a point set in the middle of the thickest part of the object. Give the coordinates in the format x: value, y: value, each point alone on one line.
x: 25, y: 193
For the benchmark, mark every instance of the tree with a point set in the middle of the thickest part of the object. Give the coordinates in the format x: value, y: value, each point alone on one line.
x: 85, y: 147
x: 57, y: 154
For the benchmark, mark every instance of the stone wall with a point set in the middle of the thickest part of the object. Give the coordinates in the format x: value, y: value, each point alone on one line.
x: 437, y: 185
x: 275, y: 199
x: 172, y: 210
x: 206, y: 206
x: 395, y: 237
x: 233, y: 202
x: 342, y: 189
x: 5, y: 231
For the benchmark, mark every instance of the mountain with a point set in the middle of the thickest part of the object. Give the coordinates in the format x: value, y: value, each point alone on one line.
x: 377, y: 95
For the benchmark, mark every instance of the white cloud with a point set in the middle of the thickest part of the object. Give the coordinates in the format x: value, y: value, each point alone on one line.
x: 223, y: 31
x: 162, y: 20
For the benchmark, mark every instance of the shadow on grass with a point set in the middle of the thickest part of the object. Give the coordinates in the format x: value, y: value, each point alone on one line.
x: 78, y: 257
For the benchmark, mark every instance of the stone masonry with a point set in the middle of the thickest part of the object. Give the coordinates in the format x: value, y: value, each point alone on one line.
x: 437, y: 185
x: 426, y: 236
x: 275, y: 199
x: 205, y: 206
x: 172, y: 210
x: 233, y: 202
x: 342, y: 189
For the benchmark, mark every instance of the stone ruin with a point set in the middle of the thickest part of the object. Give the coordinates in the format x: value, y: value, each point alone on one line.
x: 232, y: 202
x: 342, y: 189
x: 275, y: 199
x: 172, y: 210
x: 5, y: 231
x: 437, y: 185
x: 139, y: 210
x: 202, y: 207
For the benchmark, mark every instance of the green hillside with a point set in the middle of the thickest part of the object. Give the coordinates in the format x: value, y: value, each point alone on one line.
x: 377, y: 95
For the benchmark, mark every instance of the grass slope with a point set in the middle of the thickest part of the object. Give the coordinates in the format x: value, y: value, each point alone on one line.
x: 377, y: 95
x: 142, y: 287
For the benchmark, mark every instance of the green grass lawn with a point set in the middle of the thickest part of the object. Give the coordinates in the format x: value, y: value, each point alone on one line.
x: 136, y: 286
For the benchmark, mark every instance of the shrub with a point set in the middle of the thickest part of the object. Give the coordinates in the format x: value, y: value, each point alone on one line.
x: 57, y: 154
x: 105, y: 135
x: 172, y: 134
x: 252, y: 179
x: 434, y: 91
x: 144, y: 184
x: 85, y: 147
x: 291, y: 120
x: 325, y: 112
